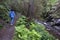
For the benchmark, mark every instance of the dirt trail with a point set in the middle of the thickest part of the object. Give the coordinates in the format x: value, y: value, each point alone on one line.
x: 7, y: 32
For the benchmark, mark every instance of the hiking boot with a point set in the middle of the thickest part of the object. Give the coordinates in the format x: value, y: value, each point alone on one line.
x: 11, y: 24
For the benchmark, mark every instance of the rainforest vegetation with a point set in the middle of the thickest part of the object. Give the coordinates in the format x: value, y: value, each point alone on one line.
x: 34, y: 20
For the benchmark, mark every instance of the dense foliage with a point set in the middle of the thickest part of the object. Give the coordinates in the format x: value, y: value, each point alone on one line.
x: 4, y: 11
x: 36, y: 31
x: 38, y: 10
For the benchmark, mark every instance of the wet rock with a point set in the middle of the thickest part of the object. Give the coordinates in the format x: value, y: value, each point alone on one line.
x: 56, y: 22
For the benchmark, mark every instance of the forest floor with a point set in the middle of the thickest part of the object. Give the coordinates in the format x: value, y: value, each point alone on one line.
x: 7, y: 32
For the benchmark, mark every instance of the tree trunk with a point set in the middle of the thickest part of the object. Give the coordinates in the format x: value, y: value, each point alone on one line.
x: 30, y: 13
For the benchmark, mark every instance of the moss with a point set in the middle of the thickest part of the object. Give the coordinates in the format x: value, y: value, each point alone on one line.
x: 1, y: 26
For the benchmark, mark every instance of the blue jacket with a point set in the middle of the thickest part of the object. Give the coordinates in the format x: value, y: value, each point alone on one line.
x: 12, y: 14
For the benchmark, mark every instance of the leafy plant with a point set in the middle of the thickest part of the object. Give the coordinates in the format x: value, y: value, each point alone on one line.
x: 36, y: 31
